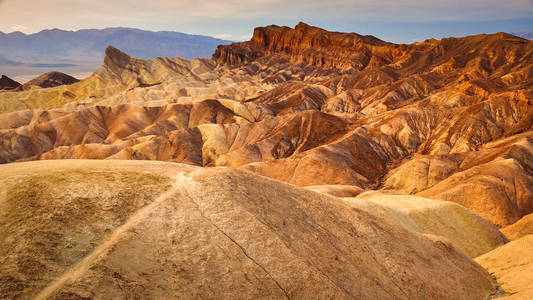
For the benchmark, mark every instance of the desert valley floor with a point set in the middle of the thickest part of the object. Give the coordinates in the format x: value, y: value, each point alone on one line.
x: 300, y: 164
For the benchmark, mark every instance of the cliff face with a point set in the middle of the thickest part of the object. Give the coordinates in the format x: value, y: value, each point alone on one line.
x: 305, y: 44
x: 441, y: 118
x: 479, y: 55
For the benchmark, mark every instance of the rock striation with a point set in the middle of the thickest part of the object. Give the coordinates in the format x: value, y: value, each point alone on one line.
x: 446, y: 119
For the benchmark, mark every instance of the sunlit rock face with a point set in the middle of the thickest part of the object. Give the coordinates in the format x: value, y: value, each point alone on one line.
x: 444, y: 119
x: 146, y: 229
x: 300, y: 164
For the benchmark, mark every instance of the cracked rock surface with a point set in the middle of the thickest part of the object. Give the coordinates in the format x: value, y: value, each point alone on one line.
x: 89, y: 229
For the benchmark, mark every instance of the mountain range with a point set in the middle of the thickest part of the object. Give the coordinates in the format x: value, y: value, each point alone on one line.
x: 82, y: 51
x: 302, y: 163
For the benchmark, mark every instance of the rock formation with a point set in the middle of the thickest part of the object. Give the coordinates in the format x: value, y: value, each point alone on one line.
x: 466, y: 230
x: 519, y: 229
x: 115, y: 229
x: 407, y: 157
x: 50, y: 79
x: 7, y: 83
x: 446, y: 119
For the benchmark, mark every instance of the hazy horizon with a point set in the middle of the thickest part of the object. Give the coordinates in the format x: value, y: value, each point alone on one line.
x: 459, y: 30
x: 404, y: 22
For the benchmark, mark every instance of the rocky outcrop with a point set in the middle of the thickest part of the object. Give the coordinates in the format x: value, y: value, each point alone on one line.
x: 50, y: 79
x: 119, y: 229
x: 446, y: 119
x: 308, y: 45
x: 7, y: 83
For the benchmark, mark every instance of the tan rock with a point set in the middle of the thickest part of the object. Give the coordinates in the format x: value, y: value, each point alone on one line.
x: 448, y: 119
x: 126, y: 229
x: 512, y: 265
x: 466, y: 230
x: 522, y: 227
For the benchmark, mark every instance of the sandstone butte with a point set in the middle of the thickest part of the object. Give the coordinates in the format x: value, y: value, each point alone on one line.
x: 380, y: 130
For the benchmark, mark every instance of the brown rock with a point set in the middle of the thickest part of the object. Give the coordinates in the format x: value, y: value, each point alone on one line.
x: 50, y: 79
x: 448, y: 119
x: 7, y: 83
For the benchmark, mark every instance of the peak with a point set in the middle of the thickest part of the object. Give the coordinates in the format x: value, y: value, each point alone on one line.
x: 114, y: 58
x: 302, y: 25
x: 112, y: 52
x: 51, y: 79
x: 7, y: 83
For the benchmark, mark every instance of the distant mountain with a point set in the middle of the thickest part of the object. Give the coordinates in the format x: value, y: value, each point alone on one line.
x: 525, y: 35
x: 7, y: 83
x: 56, y: 49
x: 50, y: 79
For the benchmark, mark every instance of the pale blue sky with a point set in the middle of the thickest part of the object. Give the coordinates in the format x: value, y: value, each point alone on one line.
x: 393, y: 20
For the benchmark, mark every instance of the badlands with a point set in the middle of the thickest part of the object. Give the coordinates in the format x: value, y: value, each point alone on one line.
x: 300, y: 164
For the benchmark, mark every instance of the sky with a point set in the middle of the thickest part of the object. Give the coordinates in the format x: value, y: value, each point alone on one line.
x: 401, y: 21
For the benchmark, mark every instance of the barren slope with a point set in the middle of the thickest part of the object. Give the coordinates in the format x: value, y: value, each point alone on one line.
x: 115, y: 229
x: 512, y: 265
x: 446, y: 119
x: 50, y: 79
x: 519, y: 229
x: 466, y: 230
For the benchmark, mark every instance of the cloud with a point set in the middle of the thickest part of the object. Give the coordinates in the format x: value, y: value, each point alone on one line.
x: 224, y: 36
x: 18, y: 27
x: 249, y: 36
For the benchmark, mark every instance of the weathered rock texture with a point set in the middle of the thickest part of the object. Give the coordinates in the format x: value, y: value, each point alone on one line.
x: 519, y: 229
x: 446, y: 119
x: 466, y: 230
x: 127, y: 229
x: 512, y: 265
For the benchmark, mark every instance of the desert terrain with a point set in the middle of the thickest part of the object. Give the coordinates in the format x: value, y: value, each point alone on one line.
x: 302, y: 163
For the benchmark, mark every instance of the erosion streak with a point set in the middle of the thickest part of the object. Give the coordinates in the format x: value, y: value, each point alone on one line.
x: 79, y: 269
